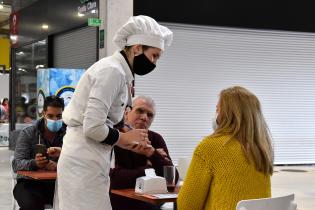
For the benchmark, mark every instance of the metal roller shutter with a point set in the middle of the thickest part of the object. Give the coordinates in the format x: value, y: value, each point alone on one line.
x: 278, y: 66
x: 76, y: 49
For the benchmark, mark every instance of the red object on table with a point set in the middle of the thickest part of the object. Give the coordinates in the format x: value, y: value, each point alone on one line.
x: 39, y: 175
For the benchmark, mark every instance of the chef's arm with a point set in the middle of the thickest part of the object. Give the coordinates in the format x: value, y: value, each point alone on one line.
x: 104, y: 92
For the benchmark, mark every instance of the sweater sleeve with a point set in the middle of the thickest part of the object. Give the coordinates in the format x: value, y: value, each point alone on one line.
x: 193, y: 194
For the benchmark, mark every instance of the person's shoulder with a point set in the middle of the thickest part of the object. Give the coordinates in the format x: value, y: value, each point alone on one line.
x: 108, y: 64
x: 32, y: 128
x: 27, y: 134
x: 214, y: 141
x: 211, y: 145
x: 106, y: 70
x: 155, y: 134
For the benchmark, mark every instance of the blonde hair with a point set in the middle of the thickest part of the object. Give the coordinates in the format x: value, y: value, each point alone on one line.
x: 241, y: 117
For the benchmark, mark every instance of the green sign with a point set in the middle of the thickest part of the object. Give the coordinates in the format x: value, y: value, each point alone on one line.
x: 94, y: 22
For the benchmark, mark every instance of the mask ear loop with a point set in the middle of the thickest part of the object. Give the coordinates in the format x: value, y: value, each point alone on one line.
x: 140, y: 52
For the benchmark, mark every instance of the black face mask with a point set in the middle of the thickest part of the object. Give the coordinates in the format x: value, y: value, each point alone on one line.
x: 142, y: 65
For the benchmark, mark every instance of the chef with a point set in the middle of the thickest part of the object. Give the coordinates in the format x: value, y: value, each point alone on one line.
x: 97, y: 105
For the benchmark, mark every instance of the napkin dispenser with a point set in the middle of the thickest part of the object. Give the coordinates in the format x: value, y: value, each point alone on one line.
x: 150, y: 183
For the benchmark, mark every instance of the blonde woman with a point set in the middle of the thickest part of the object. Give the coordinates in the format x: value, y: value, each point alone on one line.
x: 233, y: 163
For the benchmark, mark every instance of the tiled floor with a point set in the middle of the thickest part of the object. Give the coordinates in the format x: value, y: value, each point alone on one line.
x: 299, y: 180
x: 5, y: 179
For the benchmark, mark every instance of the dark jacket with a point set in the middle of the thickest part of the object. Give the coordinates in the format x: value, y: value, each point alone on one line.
x: 24, y: 156
x: 129, y: 166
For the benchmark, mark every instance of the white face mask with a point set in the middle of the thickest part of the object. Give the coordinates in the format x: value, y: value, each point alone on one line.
x: 214, y: 122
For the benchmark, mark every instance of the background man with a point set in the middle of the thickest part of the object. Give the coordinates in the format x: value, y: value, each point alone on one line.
x: 129, y: 165
x: 49, y: 131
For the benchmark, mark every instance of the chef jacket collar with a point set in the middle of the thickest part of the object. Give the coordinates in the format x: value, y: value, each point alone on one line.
x: 128, y: 73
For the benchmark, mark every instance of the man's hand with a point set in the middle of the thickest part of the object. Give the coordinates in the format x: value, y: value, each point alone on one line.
x: 143, y: 150
x: 163, y: 153
x: 41, y: 161
x: 54, y: 151
x: 132, y: 138
x: 51, y: 166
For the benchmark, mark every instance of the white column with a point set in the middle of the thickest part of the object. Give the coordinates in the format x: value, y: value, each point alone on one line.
x: 113, y: 13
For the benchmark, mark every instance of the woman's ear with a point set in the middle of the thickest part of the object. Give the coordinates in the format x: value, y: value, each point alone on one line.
x: 137, y: 49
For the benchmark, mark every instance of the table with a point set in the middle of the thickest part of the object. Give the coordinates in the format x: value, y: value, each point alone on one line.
x: 130, y: 193
x: 39, y: 175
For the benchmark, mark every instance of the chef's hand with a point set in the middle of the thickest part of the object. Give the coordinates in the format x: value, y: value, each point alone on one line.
x: 133, y: 138
x: 41, y: 161
x: 54, y: 151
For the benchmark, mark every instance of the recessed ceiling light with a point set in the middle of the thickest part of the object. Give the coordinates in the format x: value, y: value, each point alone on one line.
x: 45, y: 26
x: 42, y: 42
x: 39, y: 66
x: 80, y: 14
x: 21, y: 69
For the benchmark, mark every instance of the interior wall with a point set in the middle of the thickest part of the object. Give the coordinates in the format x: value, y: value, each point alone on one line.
x: 5, y: 52
x: 4, y: 86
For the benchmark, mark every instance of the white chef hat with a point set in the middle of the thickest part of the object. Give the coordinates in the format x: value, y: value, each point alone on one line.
x: 143, y: 30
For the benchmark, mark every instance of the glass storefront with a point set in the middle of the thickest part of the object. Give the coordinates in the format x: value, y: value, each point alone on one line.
x: 28, y: 55
x: 29, y: 59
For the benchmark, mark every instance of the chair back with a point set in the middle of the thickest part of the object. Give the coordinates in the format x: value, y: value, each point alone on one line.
x: 278, y: 203
x: 183, y: 165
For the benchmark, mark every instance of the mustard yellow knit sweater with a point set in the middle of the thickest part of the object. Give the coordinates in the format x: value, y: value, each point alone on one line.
x: 219, y: 176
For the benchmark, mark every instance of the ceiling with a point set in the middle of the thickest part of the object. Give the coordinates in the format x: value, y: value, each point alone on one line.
x: 59, y: 15
x: 4, y: 17
x: 258, y: 14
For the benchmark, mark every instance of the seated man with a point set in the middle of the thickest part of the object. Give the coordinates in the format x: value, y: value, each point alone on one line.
x: 129, y: 165
x: 49, y: 131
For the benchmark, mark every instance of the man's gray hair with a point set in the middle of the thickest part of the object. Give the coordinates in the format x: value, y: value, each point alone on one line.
x: 148, y: 99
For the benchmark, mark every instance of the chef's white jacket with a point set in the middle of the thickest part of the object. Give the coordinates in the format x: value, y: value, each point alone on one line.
x: 98, y: 103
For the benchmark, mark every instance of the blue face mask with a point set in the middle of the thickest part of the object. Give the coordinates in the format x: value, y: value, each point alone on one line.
x: 54, y: 125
